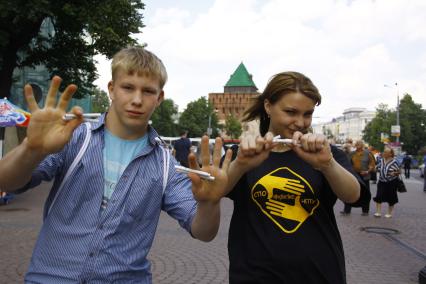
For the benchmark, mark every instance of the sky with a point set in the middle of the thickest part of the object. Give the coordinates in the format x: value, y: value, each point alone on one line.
x: 349, y: 49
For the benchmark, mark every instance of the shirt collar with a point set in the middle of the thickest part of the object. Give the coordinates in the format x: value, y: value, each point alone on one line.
x: 153, y: 137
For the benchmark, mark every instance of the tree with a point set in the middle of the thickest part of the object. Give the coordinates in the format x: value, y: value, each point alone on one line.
x: 381, y: 123
x: 81, y: 29
x: 411, y: 118
x: 233, y: 126
x: 195, y: 118
x: 162, y: 119
x: 100, y: 101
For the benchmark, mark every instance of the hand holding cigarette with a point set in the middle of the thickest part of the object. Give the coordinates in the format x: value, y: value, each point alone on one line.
x: 90, y: 117
x: 201, y: 174
x: 278, y: 139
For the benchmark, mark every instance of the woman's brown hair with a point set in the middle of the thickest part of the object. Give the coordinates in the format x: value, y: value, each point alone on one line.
x: 278, y: 86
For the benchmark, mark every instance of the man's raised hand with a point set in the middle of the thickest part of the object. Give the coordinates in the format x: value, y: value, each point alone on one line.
x: 47, y: 132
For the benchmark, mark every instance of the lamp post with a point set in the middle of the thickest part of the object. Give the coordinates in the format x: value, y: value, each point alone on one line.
x: 209, y: 128
x: 397, y: 109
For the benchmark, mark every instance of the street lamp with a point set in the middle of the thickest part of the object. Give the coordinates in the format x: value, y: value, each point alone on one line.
x: 397, y: 109
x: 209, y: 128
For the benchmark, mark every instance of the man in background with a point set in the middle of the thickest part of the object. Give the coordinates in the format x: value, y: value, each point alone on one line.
x: 182, y: 147
x: 407, y: 165
x: 364, y: 164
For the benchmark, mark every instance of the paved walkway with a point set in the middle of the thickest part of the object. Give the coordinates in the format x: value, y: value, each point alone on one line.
x: 176, y: 258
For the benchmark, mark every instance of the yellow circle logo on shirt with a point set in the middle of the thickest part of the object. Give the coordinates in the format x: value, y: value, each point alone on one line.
x: 285, y: 197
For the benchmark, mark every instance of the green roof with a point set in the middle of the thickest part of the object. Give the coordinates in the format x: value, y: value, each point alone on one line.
x: 240, y: 78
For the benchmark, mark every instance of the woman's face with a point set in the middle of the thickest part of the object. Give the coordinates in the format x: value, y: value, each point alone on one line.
x: 387, y: 153
x: 293, y: 112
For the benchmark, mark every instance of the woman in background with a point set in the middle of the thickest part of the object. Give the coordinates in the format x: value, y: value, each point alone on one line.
x: 388, y: 170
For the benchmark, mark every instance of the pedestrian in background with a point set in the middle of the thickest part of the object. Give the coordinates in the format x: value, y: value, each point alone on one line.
x: 373, y: 152
x: 283, y: 228
x: 182, y: 148
x: 389, y: 171
x: 99, y: 225
x: 364, y: 165
x: 348, y: 148
x: 406, y: 161
x: 424, y: 173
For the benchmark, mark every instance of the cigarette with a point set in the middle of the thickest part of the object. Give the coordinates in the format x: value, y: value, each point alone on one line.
x: 277, y: 139
x: 201, y: 174
x: 91, y: 117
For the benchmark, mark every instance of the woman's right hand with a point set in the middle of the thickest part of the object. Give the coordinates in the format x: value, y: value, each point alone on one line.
x: 253, y: 150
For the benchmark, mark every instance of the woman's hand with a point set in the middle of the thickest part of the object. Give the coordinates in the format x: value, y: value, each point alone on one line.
x: 313, y: 148
x: 253, y: 150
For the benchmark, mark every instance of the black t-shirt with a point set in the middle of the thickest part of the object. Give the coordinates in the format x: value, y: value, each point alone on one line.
x: 283, y: 228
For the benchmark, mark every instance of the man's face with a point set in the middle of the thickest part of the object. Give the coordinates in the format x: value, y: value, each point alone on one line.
x: 359, y: 145
x: 387, y: 153
x: 133, y: 100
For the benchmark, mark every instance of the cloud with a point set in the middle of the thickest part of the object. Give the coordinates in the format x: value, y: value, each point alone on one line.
x: 350, y: 49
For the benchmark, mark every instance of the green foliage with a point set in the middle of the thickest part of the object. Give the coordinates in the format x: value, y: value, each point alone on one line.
x: 81, y: 29
x: 100, y: 101
x: 233, y: 127
x: 412, y: 120
x: 381, y: 123
x: 195, y: 118
x: 162, y: 119
x: 413, y: 125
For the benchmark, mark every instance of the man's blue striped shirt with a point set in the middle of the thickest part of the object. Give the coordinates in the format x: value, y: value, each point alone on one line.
x: 78, y: 242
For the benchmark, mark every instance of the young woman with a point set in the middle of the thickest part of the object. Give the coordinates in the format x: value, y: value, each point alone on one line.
x: 283, y: 228
x: 388, y: 178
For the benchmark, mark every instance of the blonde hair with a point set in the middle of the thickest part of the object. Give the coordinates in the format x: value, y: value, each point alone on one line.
x: 138, y: 60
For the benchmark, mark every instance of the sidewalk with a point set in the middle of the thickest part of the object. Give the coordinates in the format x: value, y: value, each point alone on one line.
x: 176, y: 258
x: 370, y: 258
x: 376, y: 258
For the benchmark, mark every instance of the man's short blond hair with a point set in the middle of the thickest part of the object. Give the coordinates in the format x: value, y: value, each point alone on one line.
x: 138, y: 60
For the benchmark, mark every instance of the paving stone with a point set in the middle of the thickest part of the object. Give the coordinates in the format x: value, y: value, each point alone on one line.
x: 177, y: 258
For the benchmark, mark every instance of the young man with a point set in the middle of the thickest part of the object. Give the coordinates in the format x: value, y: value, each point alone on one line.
x: 100, y: 223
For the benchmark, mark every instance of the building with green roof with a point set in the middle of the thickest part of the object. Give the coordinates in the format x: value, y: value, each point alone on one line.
x: 236, y: 96
x: 240, y: 81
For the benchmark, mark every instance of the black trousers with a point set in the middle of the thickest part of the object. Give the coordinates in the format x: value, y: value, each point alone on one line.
x: 424, y: 177
x: 407, y: 172
x: 365, y: 204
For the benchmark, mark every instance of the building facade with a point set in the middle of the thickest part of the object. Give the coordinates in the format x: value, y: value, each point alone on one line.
x: 348, y: 126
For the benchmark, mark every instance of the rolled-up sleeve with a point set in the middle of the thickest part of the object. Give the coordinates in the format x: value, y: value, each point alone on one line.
x: 178, y: 199
x: 46, y: 171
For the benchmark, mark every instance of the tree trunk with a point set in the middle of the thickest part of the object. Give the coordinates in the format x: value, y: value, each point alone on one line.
x: 9, y: 63
x: 18, y: 39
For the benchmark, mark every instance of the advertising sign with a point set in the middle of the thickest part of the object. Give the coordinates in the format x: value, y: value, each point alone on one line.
x: 395, y: 130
